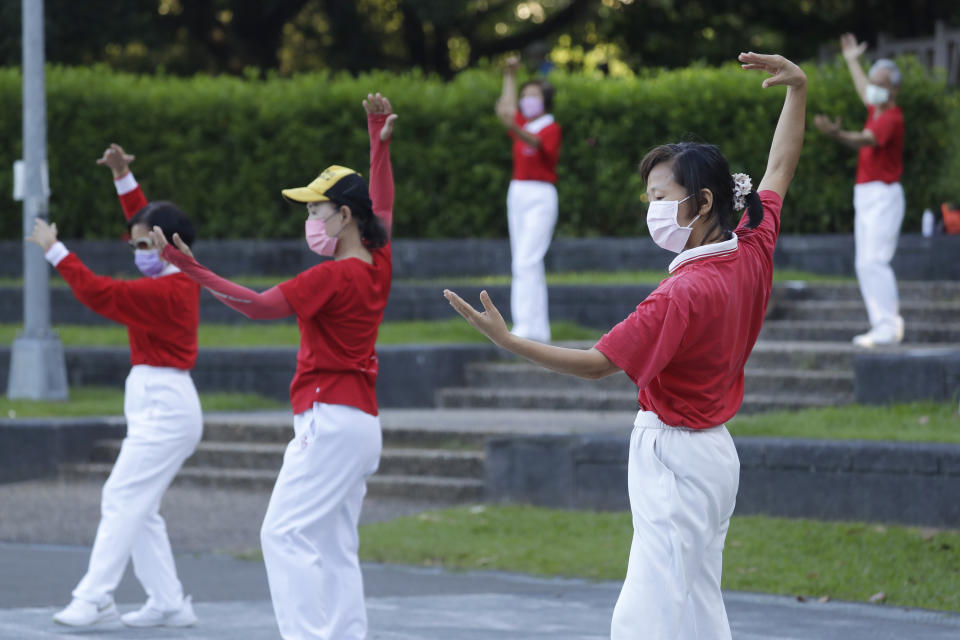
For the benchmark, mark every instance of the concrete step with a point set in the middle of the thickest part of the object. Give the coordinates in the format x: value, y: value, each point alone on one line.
x: 838, y: 331
x: 522, y: 375
x: 593, y: 400
x: 804, y: 355
x: 251, y: 430
x: 412, y: 487
x: 854, y: 311
x: 268, y: 456
x: 909, y: 291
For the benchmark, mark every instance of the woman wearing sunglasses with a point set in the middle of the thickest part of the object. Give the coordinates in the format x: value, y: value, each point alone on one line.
x: 164, y: 420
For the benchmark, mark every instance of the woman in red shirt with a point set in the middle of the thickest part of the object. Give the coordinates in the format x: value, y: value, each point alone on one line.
x: 531, y: 198
x: 309, y: 534
x: 685, y: 347
x: 164, y: 422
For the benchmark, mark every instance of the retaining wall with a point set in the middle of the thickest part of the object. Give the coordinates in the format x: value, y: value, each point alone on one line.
x: 910, y: 483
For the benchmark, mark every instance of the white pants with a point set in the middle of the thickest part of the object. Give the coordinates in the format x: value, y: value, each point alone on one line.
x: 531, y: 216
x: 164, y: 425
x: 309, y: 535
x: 683, y: 487
x: 878, y: 213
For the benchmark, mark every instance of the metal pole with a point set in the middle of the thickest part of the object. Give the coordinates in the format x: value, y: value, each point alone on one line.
x: 37, y: 366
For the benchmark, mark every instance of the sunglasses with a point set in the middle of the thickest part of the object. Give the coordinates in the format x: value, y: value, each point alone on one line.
x: 141, y: 243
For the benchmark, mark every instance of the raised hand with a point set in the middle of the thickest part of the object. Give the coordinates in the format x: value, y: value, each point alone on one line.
x: 117, y: 159
x: 781, y: 70
x: 826, y: 125
x: 378, y: 104
x: 490, y: 323
x: 44, y: 235
x: 160, y: 242
x: 850, y: 48
x: 511, y: 64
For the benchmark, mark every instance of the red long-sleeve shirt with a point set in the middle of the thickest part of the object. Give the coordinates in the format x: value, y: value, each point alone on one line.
x: 161, y: 314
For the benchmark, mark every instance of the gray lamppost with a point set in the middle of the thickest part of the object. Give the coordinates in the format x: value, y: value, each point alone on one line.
x: 37, y: 367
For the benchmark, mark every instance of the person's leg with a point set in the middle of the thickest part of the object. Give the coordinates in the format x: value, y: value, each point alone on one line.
x: 514, y: 212
x: 149, y: 458
x: 309, y: 533
x: 682, y: 487
x: 535, y: 225
x: 879, y: 210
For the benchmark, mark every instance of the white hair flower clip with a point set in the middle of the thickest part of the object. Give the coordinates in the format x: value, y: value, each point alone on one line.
x: 741, y: 189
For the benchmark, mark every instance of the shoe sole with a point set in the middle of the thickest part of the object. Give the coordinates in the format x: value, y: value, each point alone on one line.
x: 111, y: 618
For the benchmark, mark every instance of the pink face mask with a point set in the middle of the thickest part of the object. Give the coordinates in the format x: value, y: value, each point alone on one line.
x: 531, y: 107
x: 317, y: 238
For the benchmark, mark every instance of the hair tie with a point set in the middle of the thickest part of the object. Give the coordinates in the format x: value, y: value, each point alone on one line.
x: 741, y: 189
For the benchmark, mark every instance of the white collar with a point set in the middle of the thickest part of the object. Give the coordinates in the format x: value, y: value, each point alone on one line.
x: 705, y: 251
x: 168, y: 270
x: 537, y: 125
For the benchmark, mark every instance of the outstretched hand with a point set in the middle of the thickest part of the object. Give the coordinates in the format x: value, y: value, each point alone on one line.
x: 850, y: 48
x: 378, y: 104
x: 160, y: 242
x: 117, y: 159
x: 44, y: 235
x: 781, y: 70
x: 826, y: 125
x: 490, y: 323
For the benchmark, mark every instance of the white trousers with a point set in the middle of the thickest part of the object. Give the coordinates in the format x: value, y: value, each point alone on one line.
x: 683, y: 487
x: 309, y: 535
x: 878, y: 213
x: 164, y: 425
x: 531, y: 216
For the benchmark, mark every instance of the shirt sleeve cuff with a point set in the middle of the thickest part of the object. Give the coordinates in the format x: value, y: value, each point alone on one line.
x: 125, y: 183
x: 56, y: 253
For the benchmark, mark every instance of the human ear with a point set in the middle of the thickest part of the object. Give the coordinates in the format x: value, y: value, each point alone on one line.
x: 706, y: 202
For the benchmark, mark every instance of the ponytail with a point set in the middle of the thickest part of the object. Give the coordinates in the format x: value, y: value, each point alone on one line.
x: 754, y: 210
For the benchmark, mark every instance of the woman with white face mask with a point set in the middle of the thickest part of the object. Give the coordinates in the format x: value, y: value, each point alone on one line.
x: 309, y: 535
x: 878, y: 200
x: 531, y: 198
x: 164, y: 422
x: 685, y: 347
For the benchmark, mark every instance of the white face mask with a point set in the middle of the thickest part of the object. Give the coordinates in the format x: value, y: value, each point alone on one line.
x: 877, y: 95
x: 664, y: 228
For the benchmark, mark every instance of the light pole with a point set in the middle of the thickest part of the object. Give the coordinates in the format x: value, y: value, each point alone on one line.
x: 37, y: 367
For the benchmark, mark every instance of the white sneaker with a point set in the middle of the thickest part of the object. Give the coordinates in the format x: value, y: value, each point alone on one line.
x: 83, y: 613
x: 149, y: 616
x: 876, y: 338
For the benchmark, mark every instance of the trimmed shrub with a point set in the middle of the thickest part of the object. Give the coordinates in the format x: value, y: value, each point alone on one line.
x: 223, y: 147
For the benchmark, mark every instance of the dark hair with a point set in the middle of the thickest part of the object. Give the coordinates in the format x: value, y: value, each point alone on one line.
x: 545, y: 88
x: 168, y: 217
x: 698, y: 166
x: 372, y: 232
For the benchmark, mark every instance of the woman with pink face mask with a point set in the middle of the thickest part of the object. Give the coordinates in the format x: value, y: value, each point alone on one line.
x: 531, y: 198
x: 309, y: 534
x: 164, y: 421
x: 685, y: 348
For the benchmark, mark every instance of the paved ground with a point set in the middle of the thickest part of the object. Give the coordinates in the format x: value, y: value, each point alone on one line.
x: 404, y: 603
x: 408, y: 603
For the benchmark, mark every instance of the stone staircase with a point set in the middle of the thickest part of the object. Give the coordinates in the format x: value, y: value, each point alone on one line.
x: 245, y: 452
x: 803, y: 359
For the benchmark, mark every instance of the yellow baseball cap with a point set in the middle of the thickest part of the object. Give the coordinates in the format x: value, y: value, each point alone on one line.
x: 337, y: 183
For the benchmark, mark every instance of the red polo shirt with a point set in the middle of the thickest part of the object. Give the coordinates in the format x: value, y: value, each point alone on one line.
x: 883, y: 161
x: 536, y: 163
x: 686, y: 345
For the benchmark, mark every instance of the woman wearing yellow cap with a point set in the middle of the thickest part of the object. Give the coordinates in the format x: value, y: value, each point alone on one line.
x: 309, y: 534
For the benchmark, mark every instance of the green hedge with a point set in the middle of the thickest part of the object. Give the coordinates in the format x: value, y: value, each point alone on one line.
x: 223, y: 147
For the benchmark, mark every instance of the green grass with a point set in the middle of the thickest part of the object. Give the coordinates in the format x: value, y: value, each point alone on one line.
x: 108, y: 401
x: 913, y: 422
x: 844, y: 561
x: 648, y: 276
x: 251, y: 334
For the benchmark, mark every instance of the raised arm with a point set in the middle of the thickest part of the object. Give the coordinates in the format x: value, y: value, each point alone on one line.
x: 507, y: 103
x: 269, y: 305
x: 852, y: 50
x: 380, y: 121
x: 788, y: 136
x: 131, y: 196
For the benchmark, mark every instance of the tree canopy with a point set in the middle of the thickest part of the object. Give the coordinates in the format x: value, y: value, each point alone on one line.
x: 445, y: 36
